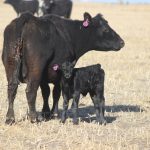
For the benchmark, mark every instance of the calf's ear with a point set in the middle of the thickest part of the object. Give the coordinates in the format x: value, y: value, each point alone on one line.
x: 55, y: 67
x: 74, y: 63
x: 87, y: 19
x: 87, y: 16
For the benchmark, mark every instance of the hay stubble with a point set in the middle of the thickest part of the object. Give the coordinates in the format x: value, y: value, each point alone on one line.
x: 126, y: 90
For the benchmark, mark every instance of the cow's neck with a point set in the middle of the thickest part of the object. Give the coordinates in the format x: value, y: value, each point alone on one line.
x: 80, y: 38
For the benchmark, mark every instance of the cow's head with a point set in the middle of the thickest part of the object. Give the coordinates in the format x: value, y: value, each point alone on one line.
x: 102, y: 36
x: 11, y: 2
x: 67, y: 69
x: 47, y: 5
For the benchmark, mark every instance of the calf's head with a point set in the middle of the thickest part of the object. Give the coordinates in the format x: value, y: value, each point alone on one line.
x: 67, y: 69
x: 102, y: 36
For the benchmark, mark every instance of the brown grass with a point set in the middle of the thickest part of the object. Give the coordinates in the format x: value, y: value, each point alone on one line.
x: 126, y: 90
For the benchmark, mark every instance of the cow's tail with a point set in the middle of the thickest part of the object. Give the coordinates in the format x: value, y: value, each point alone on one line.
x: 26, y: 16
x: 22, y: 20
x: 17, y: 61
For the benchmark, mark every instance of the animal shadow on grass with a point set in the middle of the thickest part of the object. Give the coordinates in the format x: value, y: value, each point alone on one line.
x: 87, y: 114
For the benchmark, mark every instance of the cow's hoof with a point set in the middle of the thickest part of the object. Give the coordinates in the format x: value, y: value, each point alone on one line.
x: 101, y: 122
x: 75, y: 121
x: 55, y: 115
x: 10, y: 121
x: 33, y: 118
x: 46, y: 115
x: 40, y: 118
x: 36, y: 118
x: 63, y: 120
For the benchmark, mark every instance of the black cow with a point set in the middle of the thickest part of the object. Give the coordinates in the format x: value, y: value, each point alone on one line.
x: 33, y: 45
x: 21, y: 6
x: 83, y: 80
x: 58, y: 7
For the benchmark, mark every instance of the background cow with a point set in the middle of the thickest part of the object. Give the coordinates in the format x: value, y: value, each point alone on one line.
x: 36, y: 44
x: 58, y: 7
x: 21, y: 6
x: 83, y: 80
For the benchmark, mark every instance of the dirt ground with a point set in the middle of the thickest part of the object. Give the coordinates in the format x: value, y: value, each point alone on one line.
x: 127, y: 91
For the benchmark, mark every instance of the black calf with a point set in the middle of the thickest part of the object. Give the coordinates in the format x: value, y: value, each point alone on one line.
x: 82, y: 81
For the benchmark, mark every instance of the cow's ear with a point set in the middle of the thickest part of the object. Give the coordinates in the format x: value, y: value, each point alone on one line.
x: 97, y: 20
x: 51, y: 1
x: 5, y: 1
x: 87, y: 19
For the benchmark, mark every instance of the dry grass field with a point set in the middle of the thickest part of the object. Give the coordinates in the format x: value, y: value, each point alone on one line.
x: 127, y: 92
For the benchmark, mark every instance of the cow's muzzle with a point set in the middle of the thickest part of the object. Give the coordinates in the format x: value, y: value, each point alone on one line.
x: 122, y: 43
x: 67, y: 76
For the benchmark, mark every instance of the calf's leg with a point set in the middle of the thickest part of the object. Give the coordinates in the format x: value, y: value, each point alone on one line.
x: 65, y: 108
x: 76, y: 97
x: 99, y: 104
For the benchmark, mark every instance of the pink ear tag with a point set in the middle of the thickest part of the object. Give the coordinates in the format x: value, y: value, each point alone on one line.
x: 86, y: 23
x: 55, y: 67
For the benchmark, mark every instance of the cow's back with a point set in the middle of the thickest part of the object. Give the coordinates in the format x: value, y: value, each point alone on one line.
x: 12, y: 33
x: 13, y: 41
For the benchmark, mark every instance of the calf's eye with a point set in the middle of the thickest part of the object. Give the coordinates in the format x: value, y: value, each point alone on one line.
x: 106, y: 30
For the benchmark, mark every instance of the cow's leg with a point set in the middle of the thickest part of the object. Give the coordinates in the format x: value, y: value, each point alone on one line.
x: 99, y: 104
x: 45, y: 93
x: 31, y: 93
x: 56, y: 97
x: 65, y: 108
x: 76, y: 97
x: 12, y: 90
x: 33, y: 83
